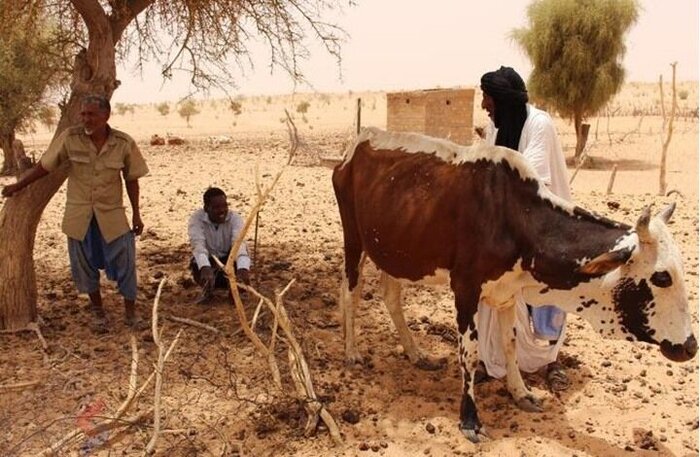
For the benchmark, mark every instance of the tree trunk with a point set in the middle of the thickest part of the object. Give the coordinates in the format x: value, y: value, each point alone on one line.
x: 581, y: 135
x: 94, y: 73
x: 8, y: 166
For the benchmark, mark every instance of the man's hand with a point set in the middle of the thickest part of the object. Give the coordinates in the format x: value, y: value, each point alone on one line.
x: 243, y: 276
x: 10, y: 190
x: 137, y: 224
x: 207, y: 276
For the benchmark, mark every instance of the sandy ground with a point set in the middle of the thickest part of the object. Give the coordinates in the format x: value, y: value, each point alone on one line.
x: 626, y: 399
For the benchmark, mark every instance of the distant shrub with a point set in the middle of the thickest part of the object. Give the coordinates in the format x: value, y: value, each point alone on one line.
x: 236, y: 107
x: 303, y: 107
x: 188, y: 109
x: 122, y: 109
x: 683, y: 94
x: 163, y: 108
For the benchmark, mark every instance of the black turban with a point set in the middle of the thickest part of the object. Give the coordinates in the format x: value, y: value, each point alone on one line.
x: 509, y: 94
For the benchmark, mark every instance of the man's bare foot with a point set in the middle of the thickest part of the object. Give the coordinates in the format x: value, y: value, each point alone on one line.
x: 136, y: 324
x: 99, y: 322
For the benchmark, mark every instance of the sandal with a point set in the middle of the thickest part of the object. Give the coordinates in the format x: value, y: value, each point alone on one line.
x: 557, y: 379
x: 136, y: 324
x: 480, y: 373
x: 99, y: 323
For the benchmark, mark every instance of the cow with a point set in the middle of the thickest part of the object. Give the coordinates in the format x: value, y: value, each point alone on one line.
x: 427, y: 210
x: 173, y: 140
x: 157, y: 140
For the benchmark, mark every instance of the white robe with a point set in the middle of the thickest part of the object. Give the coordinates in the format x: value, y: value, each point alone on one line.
x: 540, y: 145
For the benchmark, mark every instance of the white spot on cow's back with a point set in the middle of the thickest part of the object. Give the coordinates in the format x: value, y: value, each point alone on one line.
x: 455, y: 154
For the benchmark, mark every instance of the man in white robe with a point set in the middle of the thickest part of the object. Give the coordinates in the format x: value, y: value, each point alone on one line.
x: 520, y: 126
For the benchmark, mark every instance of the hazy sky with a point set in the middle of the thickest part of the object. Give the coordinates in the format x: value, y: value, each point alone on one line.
x: 409, y: 44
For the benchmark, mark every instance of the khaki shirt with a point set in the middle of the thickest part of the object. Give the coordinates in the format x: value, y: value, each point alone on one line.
x: 94, y: 181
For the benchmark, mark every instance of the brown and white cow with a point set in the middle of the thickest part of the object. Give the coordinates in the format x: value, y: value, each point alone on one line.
x: 423, y: 209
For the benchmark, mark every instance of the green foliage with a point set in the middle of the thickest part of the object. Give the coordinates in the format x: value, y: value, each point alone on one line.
x: 303, y: 107
x: 187, y: 109
x: 29, y: 70
x: 576, y: 48
x: 236, y: 107
x: 47, y: 115
x: 163, y: 108
x: 122, y: 108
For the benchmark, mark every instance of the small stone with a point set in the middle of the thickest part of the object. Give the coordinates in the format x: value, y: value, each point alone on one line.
x: 606, y: 363
x: 351, y: 416
x: 363, y: 446
x: 430, y: 428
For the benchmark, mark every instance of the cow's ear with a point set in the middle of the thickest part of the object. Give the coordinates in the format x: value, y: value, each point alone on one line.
x: 606, y: 262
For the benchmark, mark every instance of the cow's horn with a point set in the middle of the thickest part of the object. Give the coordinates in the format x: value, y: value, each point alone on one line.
x: 643, y: 225
x: 666, y: 213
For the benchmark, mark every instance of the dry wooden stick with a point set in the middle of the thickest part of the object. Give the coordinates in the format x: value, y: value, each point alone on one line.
x: 34, y: 327
x: 256, y: 314
x: 669, y: 130
x: 298, y: 366
x: 79, y: 433
x: 110, y: 422
x: 612, y: 180
x: 263, y: 194
x: 157, y: 333
x: 19, y: 385
x: 581, y: 161
x: 240, y: 311
x: 193, y: 323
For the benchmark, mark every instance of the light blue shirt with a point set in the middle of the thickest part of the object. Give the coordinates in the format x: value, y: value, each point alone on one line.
x: 210, y: 239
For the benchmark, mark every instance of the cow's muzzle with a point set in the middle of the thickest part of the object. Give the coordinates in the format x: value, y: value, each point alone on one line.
x: 680, y: 352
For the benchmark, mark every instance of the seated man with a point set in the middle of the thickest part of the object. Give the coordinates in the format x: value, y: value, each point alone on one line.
x: 212, y: 232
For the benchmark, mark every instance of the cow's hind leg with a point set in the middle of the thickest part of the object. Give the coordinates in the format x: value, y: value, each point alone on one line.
x: 349, y: 299
x: 391, y: 288
x: 516, y: 386
x: 466, y: 304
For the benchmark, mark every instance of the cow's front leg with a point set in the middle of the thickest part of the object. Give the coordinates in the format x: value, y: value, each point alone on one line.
x: 469, y: 423
x: 516, y: 386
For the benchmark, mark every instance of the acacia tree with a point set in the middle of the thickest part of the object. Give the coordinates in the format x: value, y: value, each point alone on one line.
x: 201, y: 36
x: 576, y: 48
x: 188, y: 108
x: 30, y: 67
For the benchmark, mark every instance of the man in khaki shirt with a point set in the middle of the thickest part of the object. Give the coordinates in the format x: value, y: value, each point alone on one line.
x: 99, y: 236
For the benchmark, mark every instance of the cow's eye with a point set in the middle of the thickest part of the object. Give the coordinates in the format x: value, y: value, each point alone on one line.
x: 661, y: 279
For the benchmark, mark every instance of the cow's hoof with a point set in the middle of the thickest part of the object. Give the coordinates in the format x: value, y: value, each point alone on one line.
x: 428, y: 363
x: 530, y: 404
x: 478, y: 435
x: 353, y: 359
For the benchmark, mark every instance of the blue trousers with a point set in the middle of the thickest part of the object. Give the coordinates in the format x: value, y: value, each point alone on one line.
x: 93, y: 253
